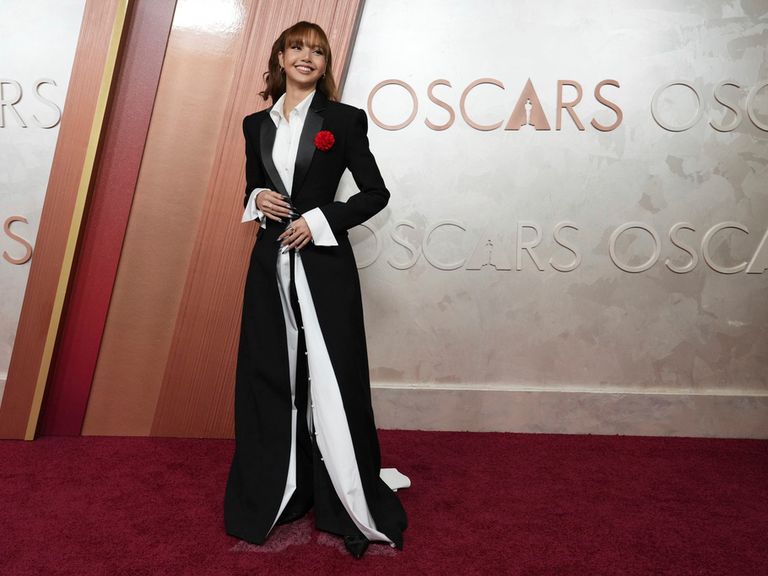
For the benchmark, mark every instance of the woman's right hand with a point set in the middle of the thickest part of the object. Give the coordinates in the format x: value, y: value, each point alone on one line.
x: 273, y: 205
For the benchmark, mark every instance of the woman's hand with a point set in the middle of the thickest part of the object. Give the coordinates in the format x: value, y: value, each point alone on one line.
x: 297, y: 235
x: 274, y: 205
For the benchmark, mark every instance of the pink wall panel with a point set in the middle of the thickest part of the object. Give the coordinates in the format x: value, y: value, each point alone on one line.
x: 122, y: 148
x: 39, y: 315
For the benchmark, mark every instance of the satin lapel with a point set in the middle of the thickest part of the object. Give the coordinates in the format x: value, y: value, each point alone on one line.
x: 312, y: 125
x: 267, y: 142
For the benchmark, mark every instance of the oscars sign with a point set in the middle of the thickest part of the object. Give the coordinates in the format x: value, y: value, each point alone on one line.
x: 528, y: 111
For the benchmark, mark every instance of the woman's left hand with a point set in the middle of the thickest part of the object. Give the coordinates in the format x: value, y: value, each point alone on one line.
x: 296, y: 236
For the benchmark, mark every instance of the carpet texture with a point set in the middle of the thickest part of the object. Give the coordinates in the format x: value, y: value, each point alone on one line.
x: 480, y: 503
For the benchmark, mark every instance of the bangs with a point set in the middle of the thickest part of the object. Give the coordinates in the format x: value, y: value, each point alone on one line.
x: 307, y: 35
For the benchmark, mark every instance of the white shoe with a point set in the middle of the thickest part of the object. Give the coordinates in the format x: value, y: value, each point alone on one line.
x: 394, y: 479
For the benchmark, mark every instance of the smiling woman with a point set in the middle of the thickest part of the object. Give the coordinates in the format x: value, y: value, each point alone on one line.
x: 304, y: 428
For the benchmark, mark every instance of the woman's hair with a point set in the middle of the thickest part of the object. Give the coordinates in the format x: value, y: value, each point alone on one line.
x: 309, y: 34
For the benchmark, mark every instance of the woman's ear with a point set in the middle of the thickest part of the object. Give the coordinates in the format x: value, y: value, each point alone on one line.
x: 280, y: 59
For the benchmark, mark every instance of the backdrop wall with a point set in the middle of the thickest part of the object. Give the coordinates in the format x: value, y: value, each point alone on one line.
x: 575, y: 241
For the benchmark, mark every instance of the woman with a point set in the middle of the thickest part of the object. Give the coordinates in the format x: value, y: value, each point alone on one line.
x: 304, y: 428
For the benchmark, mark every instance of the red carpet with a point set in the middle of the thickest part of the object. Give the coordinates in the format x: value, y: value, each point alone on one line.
x: 485, y: 504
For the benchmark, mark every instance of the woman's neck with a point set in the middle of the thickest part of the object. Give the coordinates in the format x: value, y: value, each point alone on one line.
x: 293, y: 96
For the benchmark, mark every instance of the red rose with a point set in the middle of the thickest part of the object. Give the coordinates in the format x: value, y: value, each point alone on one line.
x: 324, y: 140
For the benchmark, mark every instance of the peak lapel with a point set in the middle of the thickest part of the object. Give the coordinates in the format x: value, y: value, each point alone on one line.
x: 267, y: 142
x: 312, y: 125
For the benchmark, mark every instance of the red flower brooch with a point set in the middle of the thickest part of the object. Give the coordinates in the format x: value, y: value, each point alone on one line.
x: 324, y: 140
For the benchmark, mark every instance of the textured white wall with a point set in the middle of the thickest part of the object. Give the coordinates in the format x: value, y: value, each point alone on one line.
x: 37, y: 42
x: 598, y: 328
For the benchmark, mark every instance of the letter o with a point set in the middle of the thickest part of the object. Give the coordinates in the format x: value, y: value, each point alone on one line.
x: 657, y: 116
x: 376, y: 254
x: 656, y: 247
x: 410, y: 118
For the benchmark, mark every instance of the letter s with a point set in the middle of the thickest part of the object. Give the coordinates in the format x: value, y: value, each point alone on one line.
x: 27, y: 246
x: 47, y: 102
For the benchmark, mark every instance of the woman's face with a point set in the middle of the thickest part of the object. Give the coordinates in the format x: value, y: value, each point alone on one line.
x: 304, y: 65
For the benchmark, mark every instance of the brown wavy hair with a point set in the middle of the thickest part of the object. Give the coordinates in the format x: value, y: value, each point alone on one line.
x: 310, y: 34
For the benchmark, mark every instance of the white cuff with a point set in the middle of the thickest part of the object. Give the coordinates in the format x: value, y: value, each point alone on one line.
x: 322, y: 235
x: 251, y: 212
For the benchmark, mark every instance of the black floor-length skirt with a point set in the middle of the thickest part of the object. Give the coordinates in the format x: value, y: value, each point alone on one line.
x: 264, y: 404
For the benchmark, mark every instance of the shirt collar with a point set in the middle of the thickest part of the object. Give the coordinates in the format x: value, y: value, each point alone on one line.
x: 276, y: 113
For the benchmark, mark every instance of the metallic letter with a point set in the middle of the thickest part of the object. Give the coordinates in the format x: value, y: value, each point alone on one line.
x: 750, y: 100
x: 475, y: 125
x: 656, y: 247
x: 568, y: 105
x: 402, y: 241
x: 759, y: 262
x: 721, y: 100
x: 684, y: 247
x: 657, y: 117
x: 47, y: 102
x: 576, y: 256
x: 443, y: 105
x: 425, y: 243
x: 361, y: 265
x: 381, y: 85
x: 10, y: 103
x: 27, y: 246
x: 599, y: 97
x: 527, y: 246
x: 485, y: 255
x: 519, y: 116
x: 708, y: 238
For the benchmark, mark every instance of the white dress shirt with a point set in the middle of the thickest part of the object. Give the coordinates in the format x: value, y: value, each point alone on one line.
x: 284, y: 156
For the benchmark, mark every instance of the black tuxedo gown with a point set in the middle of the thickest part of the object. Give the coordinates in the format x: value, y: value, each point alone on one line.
x: 263, y: 403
